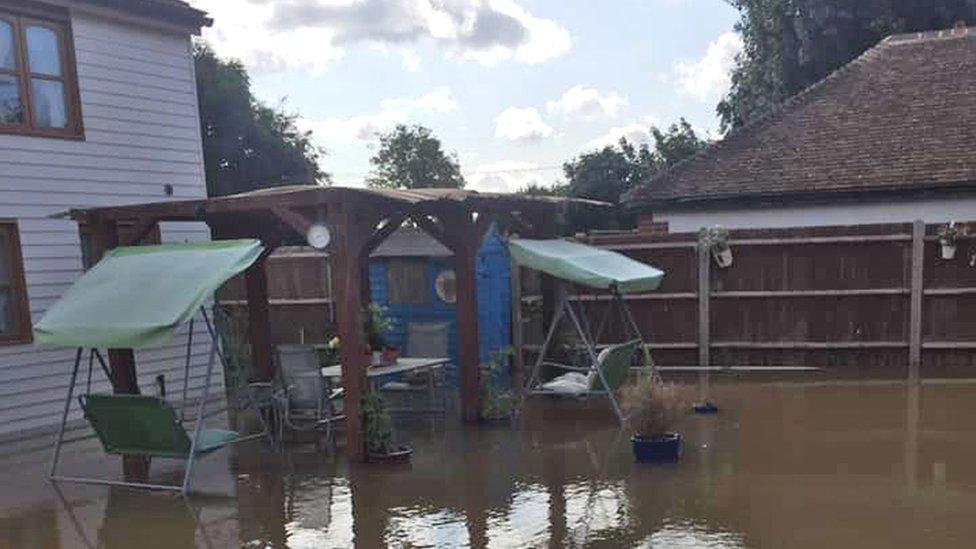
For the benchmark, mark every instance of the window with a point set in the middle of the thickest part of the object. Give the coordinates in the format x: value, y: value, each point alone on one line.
x: 38, y: 88
x: 15, y: 324
x: 446, y: 286
x: 407, y: 281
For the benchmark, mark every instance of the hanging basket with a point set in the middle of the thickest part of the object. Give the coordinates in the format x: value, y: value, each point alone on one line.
x: 723, y: 257
x: 948, y: 251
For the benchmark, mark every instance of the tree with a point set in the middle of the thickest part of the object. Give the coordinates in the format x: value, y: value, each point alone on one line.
x: 248, y: 145
x: 790, y: 44
x: 608, y: 173
x: 410, y: 157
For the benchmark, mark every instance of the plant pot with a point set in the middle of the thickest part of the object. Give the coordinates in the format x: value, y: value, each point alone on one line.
x: 666, y: 447
x: 495, y: 421
x: 723, y: 257
x: 390, y: 355
x: 705, y: 408
x: 948, y: 251
x: 399, y: 455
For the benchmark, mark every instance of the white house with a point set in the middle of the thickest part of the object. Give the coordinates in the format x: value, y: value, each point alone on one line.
x: 98, y: 107
x: 889, y: 138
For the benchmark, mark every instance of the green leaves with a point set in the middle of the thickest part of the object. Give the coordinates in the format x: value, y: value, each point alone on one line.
x: 248, y: 145
x: 410, y: 157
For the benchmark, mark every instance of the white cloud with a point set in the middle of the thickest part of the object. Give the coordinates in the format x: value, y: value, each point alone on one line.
x: 280, y: 34
x: 508, y: 176
x: 518, y: 124
x: 708, y: 78
x: 410, y: 59
x: 587, y: 103
x: 365, y: 127
x: 635, y: 132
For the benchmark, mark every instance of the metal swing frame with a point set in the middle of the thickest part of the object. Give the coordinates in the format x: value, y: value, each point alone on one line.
x: 192, y: 455
x: 590, y: 341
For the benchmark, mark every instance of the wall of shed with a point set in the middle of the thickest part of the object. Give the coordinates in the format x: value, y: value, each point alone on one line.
x: 931, y: 210
x: 140, y: 115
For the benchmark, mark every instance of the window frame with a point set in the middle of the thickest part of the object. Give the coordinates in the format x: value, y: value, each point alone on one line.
x: 17, y: 287
x: 20, y: 17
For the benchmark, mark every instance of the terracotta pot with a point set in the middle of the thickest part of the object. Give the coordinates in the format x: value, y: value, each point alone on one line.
x: 390, y: 355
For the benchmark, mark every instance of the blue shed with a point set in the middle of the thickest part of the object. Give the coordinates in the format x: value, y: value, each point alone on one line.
x: 412, y: 275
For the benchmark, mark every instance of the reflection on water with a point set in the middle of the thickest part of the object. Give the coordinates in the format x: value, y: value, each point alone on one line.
x: 799, y: 466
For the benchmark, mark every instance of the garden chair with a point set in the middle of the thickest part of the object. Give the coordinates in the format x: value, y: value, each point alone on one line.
x: 304, y: 398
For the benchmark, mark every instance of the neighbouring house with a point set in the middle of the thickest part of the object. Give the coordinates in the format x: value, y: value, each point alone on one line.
x: 98, y: 107
x: 890, y: 137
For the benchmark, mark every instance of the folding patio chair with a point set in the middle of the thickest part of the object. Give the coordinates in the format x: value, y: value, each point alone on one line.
x: 304, y: 398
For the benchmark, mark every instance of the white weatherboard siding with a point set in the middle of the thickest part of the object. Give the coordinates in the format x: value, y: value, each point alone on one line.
x: 930, y: 210
x: 141, y: 131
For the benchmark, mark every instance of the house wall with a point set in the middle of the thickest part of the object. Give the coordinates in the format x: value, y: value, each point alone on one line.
x: 141, y: 124
x: 930, y: 210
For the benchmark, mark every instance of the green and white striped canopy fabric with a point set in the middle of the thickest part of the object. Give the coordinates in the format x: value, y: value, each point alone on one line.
x: 586, y: 265
x: 136, y: 296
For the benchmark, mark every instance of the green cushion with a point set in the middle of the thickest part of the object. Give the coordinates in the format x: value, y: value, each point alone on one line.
x: 616, y: 365
x: 146, y: 426
x: 213, y: 439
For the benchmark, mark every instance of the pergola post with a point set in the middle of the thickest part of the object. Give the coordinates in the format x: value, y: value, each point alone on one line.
x: 122, y: 362
x: 349, y: 266
x: 259, y: 318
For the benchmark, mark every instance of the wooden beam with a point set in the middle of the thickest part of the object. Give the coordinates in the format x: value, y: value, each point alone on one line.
x: 348, y: 267
x: 704, y: 313
x: 293, y: 219
x: 915, y: 312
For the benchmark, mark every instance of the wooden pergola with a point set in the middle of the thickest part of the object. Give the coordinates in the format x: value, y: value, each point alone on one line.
x: 359, y: 220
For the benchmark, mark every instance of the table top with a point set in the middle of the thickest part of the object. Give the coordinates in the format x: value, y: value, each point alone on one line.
x: 402, y: 365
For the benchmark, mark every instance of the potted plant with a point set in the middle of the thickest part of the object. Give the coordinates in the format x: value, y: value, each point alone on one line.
x: 948, y: 238
x: 377, y: 323
x: 716, y: 241
x: 380, y: 447
x: 497, y: 405
x: 653, y: 408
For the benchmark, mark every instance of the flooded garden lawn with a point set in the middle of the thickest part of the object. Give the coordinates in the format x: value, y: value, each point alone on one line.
x: 797, y: 465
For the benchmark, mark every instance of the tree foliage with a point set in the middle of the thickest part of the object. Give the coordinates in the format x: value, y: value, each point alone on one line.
x: 790, y: 44
x: 410, y: 157
x: 608, y: 173
x: 248, y: 145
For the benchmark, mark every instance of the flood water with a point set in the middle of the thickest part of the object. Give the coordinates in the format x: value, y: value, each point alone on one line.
x: 782, y: 465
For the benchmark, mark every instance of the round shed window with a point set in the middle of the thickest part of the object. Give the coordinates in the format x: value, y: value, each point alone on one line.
x: 446, y: 286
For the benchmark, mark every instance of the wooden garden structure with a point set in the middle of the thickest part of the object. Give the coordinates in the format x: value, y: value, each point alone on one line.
x: 359, y: 220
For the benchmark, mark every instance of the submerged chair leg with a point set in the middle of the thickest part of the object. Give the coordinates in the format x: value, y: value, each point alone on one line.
x: 199, y: 426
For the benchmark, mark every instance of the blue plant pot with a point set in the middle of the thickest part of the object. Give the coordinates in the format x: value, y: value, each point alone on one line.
x: 706, y: 408
x: 666, y: 447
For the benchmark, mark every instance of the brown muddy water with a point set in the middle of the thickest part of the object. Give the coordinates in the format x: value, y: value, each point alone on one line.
x: 829, y: 465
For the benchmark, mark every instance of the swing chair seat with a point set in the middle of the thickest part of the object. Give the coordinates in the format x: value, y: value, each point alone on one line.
x: 613, y: 361
x: 146, y: 426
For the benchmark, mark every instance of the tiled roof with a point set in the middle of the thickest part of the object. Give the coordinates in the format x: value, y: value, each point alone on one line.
x: 174, y: 11
x: 901, y: 117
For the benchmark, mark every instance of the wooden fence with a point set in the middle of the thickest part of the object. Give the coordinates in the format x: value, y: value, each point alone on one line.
x: 858, y: 301
x: 299, y: 296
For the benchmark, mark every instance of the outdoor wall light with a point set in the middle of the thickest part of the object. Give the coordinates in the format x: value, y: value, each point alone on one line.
x: 318, y: 236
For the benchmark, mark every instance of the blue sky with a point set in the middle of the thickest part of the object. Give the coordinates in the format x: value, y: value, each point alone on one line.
x: 515, y: 87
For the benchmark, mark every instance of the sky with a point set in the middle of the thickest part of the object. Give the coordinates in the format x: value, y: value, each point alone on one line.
x: 513, y: 87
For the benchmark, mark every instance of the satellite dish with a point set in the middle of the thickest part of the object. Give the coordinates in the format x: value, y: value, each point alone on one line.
x: 318, y: 236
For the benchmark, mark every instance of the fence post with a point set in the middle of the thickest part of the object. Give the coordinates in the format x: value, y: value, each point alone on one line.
x: 915, y: 318
x: 704, y: 291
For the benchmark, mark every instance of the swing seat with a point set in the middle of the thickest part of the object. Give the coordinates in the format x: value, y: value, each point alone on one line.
x: 146, y: 426
x: 614, y: 363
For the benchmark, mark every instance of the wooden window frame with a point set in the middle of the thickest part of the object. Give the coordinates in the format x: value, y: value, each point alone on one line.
x: 20, y: 305
x: 19, y: 17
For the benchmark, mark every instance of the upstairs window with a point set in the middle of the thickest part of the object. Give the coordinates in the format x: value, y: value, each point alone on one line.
x: 38, y: 87
x: 15, y: 324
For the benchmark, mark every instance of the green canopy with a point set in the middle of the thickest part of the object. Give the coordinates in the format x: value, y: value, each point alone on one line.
x: 586, y: 265
x: 136, y: 296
